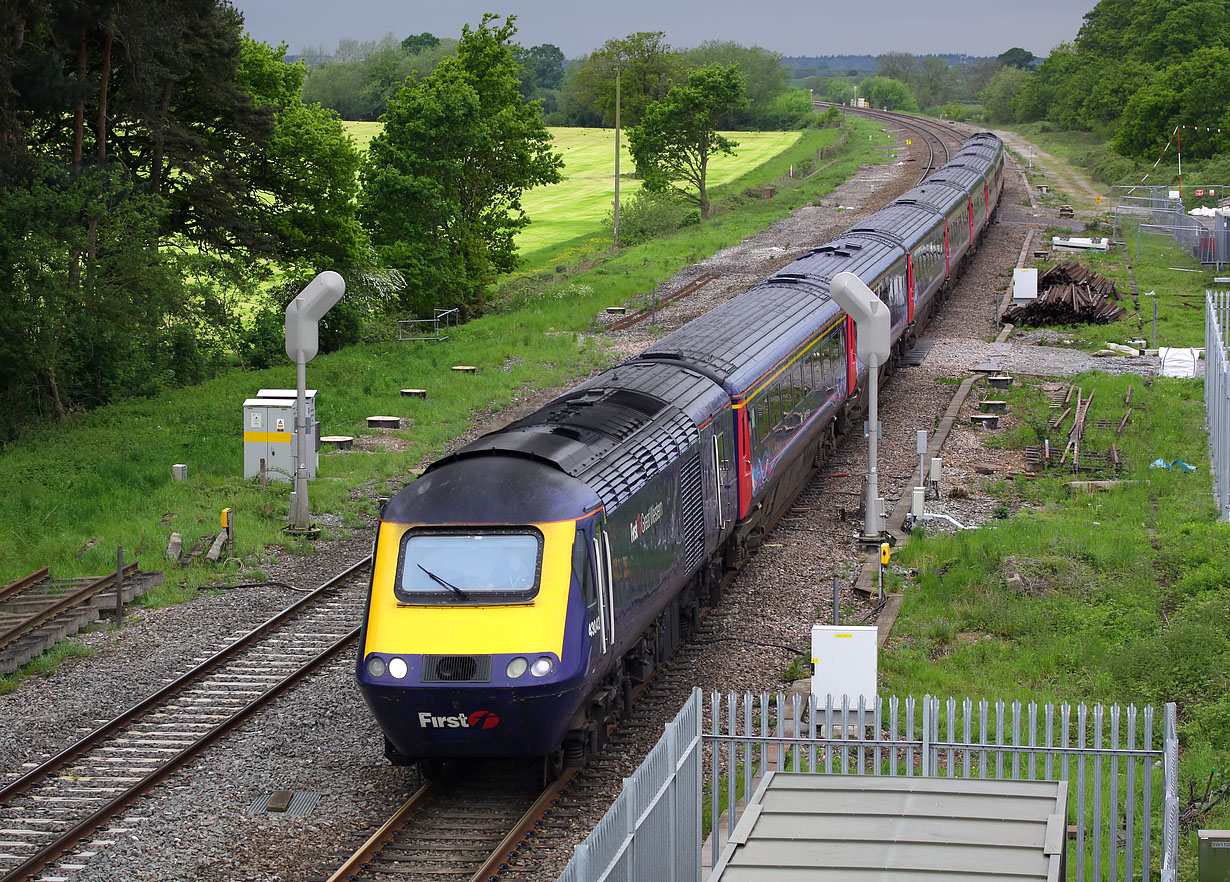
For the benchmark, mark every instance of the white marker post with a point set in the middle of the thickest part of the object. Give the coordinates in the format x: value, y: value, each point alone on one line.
x: 303, y: 316
x: 872, y: 339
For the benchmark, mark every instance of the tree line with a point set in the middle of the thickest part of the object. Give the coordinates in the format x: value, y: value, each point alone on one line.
x: 155, y: 165
x: 1135, y: 71
x: 358, y: 79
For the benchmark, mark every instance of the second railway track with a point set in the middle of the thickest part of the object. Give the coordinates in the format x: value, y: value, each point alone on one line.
x: 52, y: 808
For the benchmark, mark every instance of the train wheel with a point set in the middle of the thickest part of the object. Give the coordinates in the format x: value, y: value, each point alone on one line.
x: 433, y: 769
x: 553, y: 765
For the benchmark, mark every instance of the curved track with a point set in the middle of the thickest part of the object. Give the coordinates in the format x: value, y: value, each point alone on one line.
x: 938, y: 138
x: 49, y: 810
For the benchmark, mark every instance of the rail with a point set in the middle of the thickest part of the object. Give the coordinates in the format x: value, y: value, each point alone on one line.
x: 19, y: 811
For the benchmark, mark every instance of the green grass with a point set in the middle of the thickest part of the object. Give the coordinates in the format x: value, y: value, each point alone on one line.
x: 577, y: 206
x: 106, y: 474
x: 44, y: 665
x: 1124, y: 596
x: 1177, y: 278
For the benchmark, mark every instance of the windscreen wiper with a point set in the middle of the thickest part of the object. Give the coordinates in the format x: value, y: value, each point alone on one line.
x: 447, y: 584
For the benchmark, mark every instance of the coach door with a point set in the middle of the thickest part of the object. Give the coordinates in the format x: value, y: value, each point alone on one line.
x: 723, y: 470
x: 606, y: 588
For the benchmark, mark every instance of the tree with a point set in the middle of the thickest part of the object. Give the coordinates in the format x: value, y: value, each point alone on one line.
x: 892, y: 94
x: 678, y: 135
x: 442, y: 183
x: 1016, y: 57
x: 764, y: 77
x: 999, y: 97
x: 416, y: 43
x: 544, y: 66
x: 897, y: 66
x: 933, y: 81
x: 840, y: 92
x: 1192, y: 93
x: 309, y: 171
x: 647, y: 68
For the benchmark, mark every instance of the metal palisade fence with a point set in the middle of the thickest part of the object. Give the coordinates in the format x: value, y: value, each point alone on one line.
x: 1121, y: 765
x: 652, y: 830
x: 1217, y: 393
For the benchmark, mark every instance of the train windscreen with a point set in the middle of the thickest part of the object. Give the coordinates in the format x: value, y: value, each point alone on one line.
x: 471, y: 566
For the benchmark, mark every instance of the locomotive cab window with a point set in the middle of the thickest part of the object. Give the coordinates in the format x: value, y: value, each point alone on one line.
x: 473, y: 566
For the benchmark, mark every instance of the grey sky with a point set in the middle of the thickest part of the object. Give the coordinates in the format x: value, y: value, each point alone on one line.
x: 792, y: 27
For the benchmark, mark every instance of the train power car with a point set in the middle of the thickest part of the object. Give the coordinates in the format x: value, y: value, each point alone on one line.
x: 525, y: 583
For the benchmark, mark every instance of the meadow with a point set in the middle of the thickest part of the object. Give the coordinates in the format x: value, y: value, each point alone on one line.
x: 580, y: 203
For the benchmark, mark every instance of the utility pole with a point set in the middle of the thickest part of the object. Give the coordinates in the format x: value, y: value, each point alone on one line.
x: 616, y: 157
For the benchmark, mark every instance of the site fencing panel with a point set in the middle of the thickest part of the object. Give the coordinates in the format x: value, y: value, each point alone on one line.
x: 1217, y: 393
x: 1121, y: 765
x: 1138, y: 210
x: 653, y: 829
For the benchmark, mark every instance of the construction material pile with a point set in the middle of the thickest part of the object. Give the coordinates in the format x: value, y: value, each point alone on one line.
x: 1070, y: 295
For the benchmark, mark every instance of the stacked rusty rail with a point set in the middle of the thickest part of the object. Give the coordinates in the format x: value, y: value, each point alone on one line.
x: 1071, y: 294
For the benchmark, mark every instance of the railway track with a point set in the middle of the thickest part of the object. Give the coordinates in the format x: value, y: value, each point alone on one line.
x: 37, y: 610
x: 464, y: 827
x: 51, y: 809
x: 937, y: 137
x: 640, y: 315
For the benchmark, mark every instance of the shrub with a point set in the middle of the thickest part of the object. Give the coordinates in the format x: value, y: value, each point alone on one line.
x: 647, y: 215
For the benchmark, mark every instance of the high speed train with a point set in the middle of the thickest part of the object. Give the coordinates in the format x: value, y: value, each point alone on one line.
x: 527, y: 582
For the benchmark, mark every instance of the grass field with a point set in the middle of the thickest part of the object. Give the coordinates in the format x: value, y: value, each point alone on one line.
x: 578, y: 205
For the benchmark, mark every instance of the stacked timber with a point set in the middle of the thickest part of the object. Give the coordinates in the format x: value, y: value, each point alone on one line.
x: 1071, y: 294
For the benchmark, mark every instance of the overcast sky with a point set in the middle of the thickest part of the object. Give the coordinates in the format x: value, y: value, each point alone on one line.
x: 792, y: 27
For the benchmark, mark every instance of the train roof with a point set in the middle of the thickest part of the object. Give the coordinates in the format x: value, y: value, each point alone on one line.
x: 453, y: 493
x: 958, y: 175
x: 741, y: 340
x: 696, y: 394
x: 611, y: 439
x: 866, y: 253
x: 941, y: 196
x: 906, y: 222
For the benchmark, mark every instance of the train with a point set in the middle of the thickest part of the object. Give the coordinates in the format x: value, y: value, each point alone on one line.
x: 524, y: 585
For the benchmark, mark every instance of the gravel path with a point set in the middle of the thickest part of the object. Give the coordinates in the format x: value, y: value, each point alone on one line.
x: 320, y: 739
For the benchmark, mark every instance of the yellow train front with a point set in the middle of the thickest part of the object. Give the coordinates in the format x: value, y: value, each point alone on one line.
x: 521, y: 583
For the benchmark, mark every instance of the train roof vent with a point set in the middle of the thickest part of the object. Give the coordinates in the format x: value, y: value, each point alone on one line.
x: 565, y: 432
x: 907, y: 201
x: 637, y: 401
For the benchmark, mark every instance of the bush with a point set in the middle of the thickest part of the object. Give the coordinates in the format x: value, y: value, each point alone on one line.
x: 789, y: 110
x: 647, y: 215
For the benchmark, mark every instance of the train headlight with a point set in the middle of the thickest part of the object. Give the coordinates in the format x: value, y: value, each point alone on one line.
x: 398, y: 667
x: 516, y: 668
x: 376, y: 666
x: 542, y: 666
